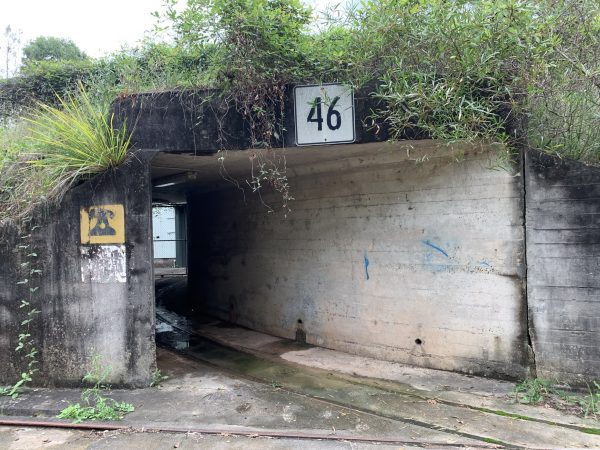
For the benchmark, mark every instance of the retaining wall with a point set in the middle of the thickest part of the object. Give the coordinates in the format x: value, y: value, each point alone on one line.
x: 563, y: 256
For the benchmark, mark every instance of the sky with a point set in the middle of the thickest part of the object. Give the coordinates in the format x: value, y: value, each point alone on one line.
x: 97, y: 27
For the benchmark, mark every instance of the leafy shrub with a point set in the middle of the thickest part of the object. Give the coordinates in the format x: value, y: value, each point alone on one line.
x: 42, y: 81
x: 258, y: 47
x: 21, y: 185
x: 519, y: 73
x: 95, y: 405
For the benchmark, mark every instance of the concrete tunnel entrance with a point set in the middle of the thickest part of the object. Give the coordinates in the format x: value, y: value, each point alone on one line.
x: 187, y: 192
x: 380, y: 256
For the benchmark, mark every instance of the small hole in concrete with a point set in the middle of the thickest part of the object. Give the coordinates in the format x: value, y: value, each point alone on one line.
x: 418, y: 341
x: 300, y: 333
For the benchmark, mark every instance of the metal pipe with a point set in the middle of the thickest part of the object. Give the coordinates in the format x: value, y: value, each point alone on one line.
x: 24, y: 422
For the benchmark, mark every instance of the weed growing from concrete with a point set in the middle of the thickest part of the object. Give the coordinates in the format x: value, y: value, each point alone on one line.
x: 534, y: 391
x: 54, y: 149
x: 29, y: 277
x: 76, y: 139
x: 590, y: 403
x: 158, y: 378
x: 538, y: 391
x: 94, y: 404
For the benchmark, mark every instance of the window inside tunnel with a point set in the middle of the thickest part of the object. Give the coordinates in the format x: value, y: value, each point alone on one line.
x: 170, y: 257
x: 169, y: 244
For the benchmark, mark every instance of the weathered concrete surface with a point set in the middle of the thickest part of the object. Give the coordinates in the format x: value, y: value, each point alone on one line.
x: 457, y: 389
x: 94, y: 299
x: 8, y: 294
x: 201, y: 122
x: 241, y: 393
x: 563, y: 262
x: 19, y: 438
x: 381, y: 256
x: 199, y: 396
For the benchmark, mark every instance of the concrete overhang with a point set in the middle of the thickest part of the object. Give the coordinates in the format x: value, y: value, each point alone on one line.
x: 203, y: 141
x: 173, y: 174
x: 202, y: 122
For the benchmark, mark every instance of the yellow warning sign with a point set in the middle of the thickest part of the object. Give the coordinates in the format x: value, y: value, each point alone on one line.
x: 103, y: 224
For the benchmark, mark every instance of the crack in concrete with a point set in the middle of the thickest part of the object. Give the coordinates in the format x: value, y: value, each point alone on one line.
x: 528, y: 319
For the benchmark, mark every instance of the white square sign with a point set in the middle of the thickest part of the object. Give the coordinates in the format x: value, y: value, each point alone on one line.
x: 324, y: 114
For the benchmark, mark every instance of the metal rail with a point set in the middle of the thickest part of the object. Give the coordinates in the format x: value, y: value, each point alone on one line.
x: 23, y: 422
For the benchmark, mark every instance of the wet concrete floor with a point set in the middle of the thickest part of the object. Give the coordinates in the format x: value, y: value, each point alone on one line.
x: 423, y: 411
x: 231, y: 387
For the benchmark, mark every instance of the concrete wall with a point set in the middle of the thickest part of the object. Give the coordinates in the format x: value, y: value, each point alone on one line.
x: 381, y: 256
x: 8, y: 304
x: 95, y: 299
x: 563, y: 266
x: 201, y: 122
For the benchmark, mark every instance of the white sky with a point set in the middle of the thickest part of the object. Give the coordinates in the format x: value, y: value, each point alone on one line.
x: 97, y: 27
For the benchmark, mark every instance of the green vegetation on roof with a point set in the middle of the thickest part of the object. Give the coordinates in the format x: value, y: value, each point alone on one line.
x: 520, y: 73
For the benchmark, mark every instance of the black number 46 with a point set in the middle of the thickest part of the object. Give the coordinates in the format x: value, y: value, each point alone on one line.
x: 331, y: 114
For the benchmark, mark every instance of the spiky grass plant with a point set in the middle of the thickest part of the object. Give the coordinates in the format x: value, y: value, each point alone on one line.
x: 57, y: 147
x: 76, y: 139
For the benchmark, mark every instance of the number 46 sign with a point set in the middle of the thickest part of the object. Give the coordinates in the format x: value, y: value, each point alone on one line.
x: 324, y: 114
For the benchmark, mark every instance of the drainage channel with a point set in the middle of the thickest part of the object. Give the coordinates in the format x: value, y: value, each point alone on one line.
x: 313, y: 383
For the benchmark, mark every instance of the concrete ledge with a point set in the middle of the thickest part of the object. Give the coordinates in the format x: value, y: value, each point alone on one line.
x: 202, y: 122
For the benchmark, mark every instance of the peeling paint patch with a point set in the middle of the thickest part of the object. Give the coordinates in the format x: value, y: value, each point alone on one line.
x: 103, y: 264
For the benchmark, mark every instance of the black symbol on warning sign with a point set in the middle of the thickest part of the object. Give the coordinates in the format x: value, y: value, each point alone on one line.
x: 102, y: 227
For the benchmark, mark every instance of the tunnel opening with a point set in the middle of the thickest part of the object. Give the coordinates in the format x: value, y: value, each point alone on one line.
x: 247, y: 260
x: 372, y: 259
x: 180, y: 297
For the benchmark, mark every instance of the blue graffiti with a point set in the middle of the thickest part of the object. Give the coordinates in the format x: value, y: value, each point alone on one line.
x: 366, y: 266
x: 435, y: 247
x: 483, y: 262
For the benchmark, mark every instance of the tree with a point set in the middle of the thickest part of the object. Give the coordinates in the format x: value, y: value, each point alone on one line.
x: 48, y: 48
x: 12, y: 39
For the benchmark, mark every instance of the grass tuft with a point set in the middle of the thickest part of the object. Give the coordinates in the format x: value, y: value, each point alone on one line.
x: 76, y: 139
x: 537, y: 391
x: 534, y: 391
x: 54, y: 148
